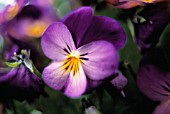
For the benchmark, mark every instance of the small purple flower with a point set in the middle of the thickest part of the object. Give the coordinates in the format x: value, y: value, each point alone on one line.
x: 9, y: 9
x: 155, y: 84
x: 31, y: 22
x: 19, y: 82
x: 83, y: 47
x: 147, y: 33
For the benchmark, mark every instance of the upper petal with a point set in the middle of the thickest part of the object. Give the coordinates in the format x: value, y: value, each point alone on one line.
x: 99, y: 59
x: 78, y: 22
x: 153, y: 82
x: 104, y: 28
x: 54, y: 76
x: 76, y: 84
x: 57, y: 41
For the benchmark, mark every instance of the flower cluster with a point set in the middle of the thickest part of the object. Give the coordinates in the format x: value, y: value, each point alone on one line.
x: 98, y: 49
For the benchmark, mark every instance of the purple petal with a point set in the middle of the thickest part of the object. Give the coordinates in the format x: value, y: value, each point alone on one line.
x: 153, y: 82
x: 9, y: 53
x: 119, y: 82
x: 104, y: 28
x: 76, y: 84
x: 78, y: 22
x: 99, y: 60
x: 20, y: 84
x: 10, y: 10
x: 42, y: 3
x: 163, y: 108
x: 57, y: 41
x: 54, y: 76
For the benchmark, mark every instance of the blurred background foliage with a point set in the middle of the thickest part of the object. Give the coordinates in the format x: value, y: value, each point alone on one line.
x: 105, y: 99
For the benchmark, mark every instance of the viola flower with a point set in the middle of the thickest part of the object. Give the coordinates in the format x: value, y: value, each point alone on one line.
x: 9, y: 9
x: 81, y: 51
x: 31, y: 22
x: 155, y: 84
x: 127, y: 4
x: 147, y: 33
x: 20, y: 82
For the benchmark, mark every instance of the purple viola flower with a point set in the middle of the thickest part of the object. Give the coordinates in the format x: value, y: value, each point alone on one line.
x: 9, y: 9
x: 81, y: 51
x: 31, y: 22
x: 20, y: 82
x: 147, y: 33
x: 155, y: 84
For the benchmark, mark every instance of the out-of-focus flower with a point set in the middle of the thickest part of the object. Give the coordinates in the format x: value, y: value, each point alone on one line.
x: 147, y: 33
x: 31, y: 22
x: 42, y: 3
x: 9, y: 9
x: 20, y: 82
x: 155, y: 84
x: 127, y: 4
x: 89, y: 108
x: 81, y: 51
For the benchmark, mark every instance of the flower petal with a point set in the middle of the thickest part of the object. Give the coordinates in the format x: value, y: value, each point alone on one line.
x: 78, y: 22
x: 154, y: 83
x: 163, y: 108
x: 99, y: 59
x: 76, y: 84
x: 104, y: 28
x: 119, y: 82
x: 54, y: 76
x: 21, y: 84
x: 57, y: 41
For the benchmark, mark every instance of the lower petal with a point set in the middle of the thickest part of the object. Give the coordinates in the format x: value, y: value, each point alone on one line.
x: 54, y: 76
x: 76, y: 84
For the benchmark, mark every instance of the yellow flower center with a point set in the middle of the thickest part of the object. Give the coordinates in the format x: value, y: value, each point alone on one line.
x: 72, y: 63
x: 36, y: 29
x: 148, y: 1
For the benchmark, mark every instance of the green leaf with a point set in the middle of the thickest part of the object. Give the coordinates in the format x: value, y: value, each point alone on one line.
x: 13, y: 64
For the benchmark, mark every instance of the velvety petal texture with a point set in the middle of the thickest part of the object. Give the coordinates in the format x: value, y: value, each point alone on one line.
x: 100, y: 59
x: 54, y: 76
x: 83, y: 18
x: 83, y: 48
x: 19, y: 83
x: 57, y: 41
x: 87, y: 27
x: 76, y: 84
x: 119, y: 82
x: 153, y: 82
